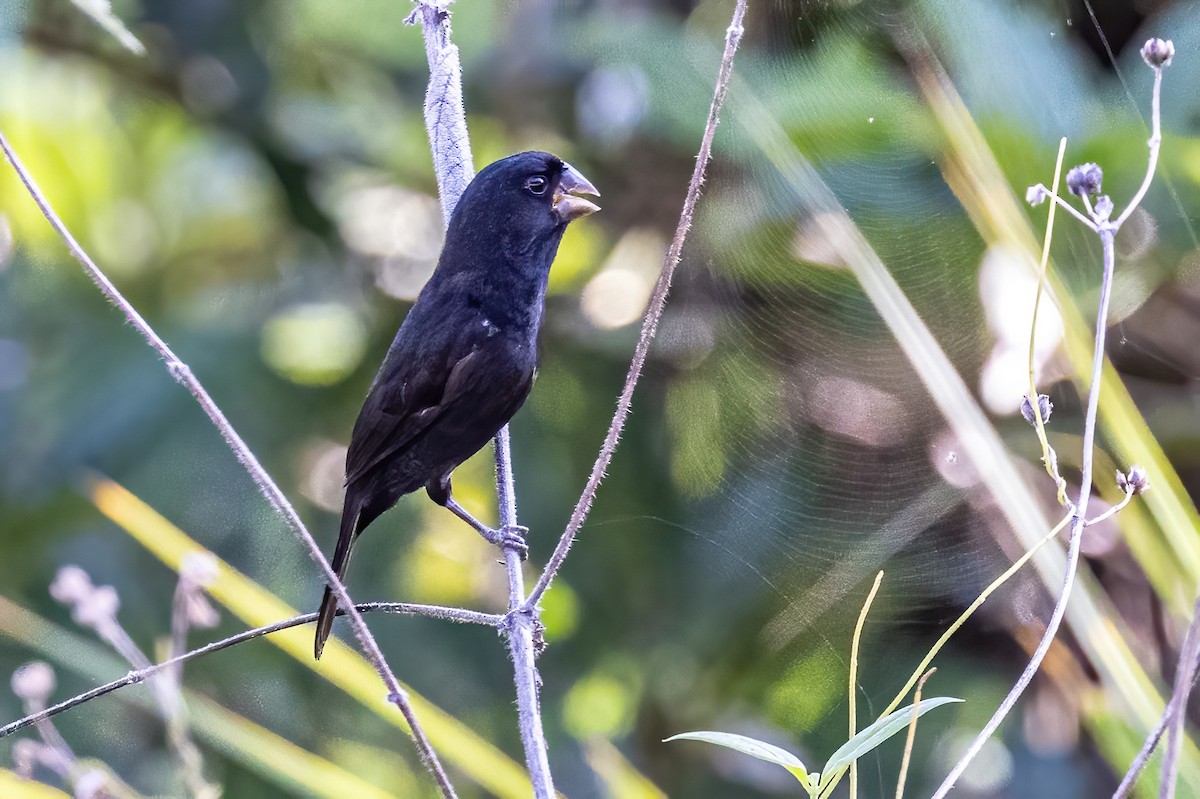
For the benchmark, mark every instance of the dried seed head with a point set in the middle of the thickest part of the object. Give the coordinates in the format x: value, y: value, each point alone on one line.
x: 71, y: 584
x: 1158, y: 53
x: 1036, y: 195
x: 97, y: 608
x: 92, y: 785
x: 1085, y: 179
x: 200, y: 568
x: 34, y: 682
x: 1045, y: 408
x: 1139, y: 479
x: 25, y: 758
x: 1136, y: 480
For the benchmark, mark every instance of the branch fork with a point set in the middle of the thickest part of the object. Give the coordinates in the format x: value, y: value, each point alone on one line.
x: 1083, y: 181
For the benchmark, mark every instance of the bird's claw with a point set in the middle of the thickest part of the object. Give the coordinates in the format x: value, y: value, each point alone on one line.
x: 511, y: 536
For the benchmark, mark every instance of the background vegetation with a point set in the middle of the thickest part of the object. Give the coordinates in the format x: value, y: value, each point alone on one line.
x: 260, y: 187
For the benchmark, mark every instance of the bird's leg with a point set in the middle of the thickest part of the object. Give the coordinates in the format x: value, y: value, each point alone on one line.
x: 513, y: 536
x: 503, y: 537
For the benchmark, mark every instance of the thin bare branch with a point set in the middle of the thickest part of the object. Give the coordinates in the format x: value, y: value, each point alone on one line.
x: 274, y: 495
x: 1114, y: 510
x: 1185, y: 678
x: 1106, y: 230
x: 654, y: 311
x: 1079, y: 215
x: 138, y: 676
x: 1154, y: 144
x: 522, y: 628
x: 1190, y: 641
x: 1077, y: 525
x: 450, y: 146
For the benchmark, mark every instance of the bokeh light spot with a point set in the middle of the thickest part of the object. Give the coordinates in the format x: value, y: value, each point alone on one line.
x: 316, y: 344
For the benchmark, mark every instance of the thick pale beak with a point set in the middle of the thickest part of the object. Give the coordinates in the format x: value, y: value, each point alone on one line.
x: 568, y: 206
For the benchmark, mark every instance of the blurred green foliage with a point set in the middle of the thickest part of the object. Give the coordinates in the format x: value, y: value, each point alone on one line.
x: 259, y: 186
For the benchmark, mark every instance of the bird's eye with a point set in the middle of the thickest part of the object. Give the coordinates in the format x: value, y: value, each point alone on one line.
x: 536, y: 184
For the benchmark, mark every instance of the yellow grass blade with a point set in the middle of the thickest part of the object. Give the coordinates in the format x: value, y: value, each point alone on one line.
x: 14, y: 787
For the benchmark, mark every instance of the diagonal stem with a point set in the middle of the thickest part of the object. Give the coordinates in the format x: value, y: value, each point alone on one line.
x: 1187, y: 663
x: 1078, y: 521
x: 266, y: 485
x: 1185, y: 678
x: 654, y: 311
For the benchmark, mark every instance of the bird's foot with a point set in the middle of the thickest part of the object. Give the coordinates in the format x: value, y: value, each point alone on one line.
x: 510, y: 536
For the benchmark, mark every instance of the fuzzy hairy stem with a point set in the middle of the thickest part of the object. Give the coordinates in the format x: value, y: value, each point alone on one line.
x: 450, y: 146
x: 654, y: 311
x: 445, y: 117
x: 522, y: 630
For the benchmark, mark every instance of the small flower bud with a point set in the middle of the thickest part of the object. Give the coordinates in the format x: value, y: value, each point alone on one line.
x: 1036, y: 195
x: 200, y: 568
x: 1084, y: 179
x: 1137, y: 480
x: 71, y: 584
x: 99, y: 607
x: 1157, y: 53
x: 1103, y: 209
x: 25, y: 758
x: 92, y: 784
x: 1045, y: 408
x: 33, y: 682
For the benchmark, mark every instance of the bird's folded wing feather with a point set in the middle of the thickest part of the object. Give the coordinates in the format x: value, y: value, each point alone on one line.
x: 397, y: 412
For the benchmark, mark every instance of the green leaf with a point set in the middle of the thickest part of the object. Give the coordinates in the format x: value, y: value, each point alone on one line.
x: 752, y: 747
x: 870, y: 737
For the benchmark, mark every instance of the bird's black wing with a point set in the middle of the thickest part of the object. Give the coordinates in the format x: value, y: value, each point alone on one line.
x: 406, y: 400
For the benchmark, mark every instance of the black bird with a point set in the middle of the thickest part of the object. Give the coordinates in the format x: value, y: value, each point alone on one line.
x: 464, y: 359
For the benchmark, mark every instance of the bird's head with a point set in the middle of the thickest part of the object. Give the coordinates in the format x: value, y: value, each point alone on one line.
x: 531, y: 194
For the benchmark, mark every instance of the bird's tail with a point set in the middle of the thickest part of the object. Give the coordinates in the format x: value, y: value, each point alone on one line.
x: 351, y: 514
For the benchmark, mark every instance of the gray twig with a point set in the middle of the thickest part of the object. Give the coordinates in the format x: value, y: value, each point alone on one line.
x: 1188, y: 654
x: 1154, y: 145
x: 449, y: 143
x: 274, y: 495
x: 141, y: 675
x: 1185, y: 679
x: 654, y: 311
x: 523, y: 630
